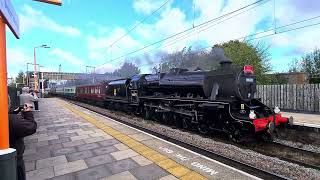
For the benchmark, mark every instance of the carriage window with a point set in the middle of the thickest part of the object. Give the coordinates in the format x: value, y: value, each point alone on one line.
x: 99, y: 91
x: 92, y: 90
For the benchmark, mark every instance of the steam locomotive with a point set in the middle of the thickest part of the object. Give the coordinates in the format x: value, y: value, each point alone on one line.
x: 217, y: 100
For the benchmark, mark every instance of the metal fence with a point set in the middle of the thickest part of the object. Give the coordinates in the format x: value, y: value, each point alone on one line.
x: 300, y: 97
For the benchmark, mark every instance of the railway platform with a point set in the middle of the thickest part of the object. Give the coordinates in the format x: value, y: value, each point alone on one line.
x: 304, y: 119
x: 74, y: 143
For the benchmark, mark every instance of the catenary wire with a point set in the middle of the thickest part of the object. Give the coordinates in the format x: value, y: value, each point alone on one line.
x: 186, y: 30
x: 268, y: 35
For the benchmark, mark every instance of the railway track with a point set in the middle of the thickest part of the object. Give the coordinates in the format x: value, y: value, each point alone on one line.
x: 258, y: 172
x: 287, y: 153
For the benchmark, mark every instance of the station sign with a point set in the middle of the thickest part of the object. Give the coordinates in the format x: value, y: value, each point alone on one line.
x: 8, y: 13
x: 55, y: 2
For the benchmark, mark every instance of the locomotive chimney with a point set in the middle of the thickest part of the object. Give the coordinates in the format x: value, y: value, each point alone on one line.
x: 225, y: 64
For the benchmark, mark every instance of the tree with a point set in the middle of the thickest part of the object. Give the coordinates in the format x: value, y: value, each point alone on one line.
x: 311, y: 62
x: 20, y: 77
x: 245, y: 53
x: 295, y: 66
x: 126, y: 70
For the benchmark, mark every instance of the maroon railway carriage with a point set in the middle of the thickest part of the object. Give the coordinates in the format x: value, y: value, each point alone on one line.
x: 92, y: 92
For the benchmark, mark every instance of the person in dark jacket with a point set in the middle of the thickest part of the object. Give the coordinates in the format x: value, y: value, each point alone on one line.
x: 20, y: 126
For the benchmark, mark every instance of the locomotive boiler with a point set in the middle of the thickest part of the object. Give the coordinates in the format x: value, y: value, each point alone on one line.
x: 227, y: 82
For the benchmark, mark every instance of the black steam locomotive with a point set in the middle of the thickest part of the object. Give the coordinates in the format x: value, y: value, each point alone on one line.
x: 217, y: 100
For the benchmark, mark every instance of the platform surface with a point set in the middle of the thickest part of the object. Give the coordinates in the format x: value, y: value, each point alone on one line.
x: 302, y: 119
x: 74, y: 143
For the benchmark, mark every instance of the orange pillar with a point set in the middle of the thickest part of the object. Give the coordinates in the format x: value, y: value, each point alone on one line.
x: 4, y: 125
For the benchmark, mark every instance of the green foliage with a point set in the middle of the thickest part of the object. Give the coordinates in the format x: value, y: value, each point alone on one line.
x: 244, y: 53
x: 126, y: 70
x: 275, y: 79
x: 311, y: 63
x: 19, y: 78
x: 295, y: 66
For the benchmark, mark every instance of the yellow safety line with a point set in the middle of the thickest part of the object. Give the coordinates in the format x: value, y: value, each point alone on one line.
x: 170, y: 165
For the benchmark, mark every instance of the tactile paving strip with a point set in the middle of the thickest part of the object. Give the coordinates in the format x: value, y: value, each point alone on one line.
x: 168, y: 164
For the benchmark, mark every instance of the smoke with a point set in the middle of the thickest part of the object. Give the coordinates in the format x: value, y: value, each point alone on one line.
x: 218, y: 55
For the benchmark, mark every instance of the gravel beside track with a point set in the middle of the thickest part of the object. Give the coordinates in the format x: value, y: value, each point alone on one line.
x: 307, y: 147
x: 247, y: 156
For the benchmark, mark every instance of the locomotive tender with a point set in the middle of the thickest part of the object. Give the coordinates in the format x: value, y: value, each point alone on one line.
x: 217, y: 100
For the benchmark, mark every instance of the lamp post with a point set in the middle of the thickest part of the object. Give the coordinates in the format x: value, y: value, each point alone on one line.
x: 42, y: 89
x: 35, y: 65
x: 27, y: 76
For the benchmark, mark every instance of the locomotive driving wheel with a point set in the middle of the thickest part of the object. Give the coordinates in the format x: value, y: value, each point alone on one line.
x: 147, y: 113
x: 166, y: 118
x: 203, y: 128
x: 185, y: 123
x: 235, y: 134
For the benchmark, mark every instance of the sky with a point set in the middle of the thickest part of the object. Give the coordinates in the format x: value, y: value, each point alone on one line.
x: 80, y: 33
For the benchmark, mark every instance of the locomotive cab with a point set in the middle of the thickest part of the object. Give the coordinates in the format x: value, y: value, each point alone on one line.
x: 118, y: 89
x: 136, y: 87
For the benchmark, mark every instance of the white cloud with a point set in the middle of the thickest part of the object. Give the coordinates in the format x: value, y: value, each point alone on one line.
x: 301, y: 40
x: 66, y: 56
x: 99, y: 46
x: 17, y: 60
x: 17, y: 56
x: 32, y: 18
x: 172, y: 19
x: 147, y: 6
x: 105, y: 68
x: 101, y: 29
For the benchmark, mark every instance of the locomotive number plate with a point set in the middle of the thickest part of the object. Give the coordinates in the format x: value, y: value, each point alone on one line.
x: 249, y: 79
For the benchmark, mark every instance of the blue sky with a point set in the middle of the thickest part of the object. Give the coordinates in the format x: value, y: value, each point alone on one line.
x: 80, y: 32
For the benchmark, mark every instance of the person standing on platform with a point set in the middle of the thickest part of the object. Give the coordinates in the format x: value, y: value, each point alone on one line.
x: 25, y: 97
x: 20, y: 126
x: 36, y: 103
